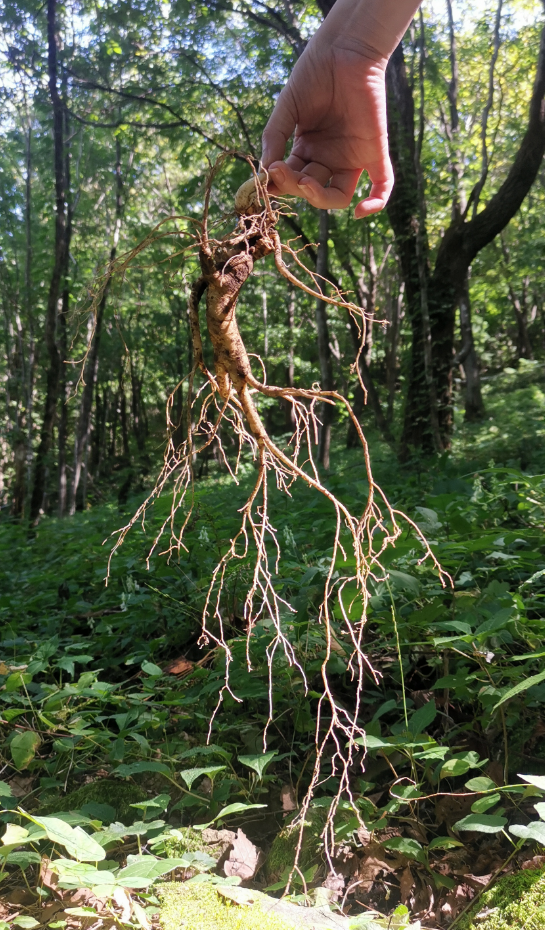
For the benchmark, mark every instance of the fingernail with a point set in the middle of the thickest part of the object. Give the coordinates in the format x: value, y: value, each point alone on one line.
x: 277, y: 175
x: 304, y: 182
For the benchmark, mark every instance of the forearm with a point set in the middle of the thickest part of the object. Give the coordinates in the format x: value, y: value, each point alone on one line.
x: 369, y: 27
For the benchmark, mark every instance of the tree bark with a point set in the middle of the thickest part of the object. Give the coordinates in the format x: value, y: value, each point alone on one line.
x: 63, y: 323
x: 324, y: 350
x: 290, y: 367
x: 50, y: 334
x: 467, y: 357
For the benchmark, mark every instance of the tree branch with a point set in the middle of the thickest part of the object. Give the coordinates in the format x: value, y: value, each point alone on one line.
x: 152, y: 101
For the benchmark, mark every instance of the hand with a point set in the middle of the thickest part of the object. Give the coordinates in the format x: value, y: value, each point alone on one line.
x: 335, y: 100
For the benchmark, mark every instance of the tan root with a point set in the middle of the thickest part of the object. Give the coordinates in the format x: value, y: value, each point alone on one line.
x: 226, y: 399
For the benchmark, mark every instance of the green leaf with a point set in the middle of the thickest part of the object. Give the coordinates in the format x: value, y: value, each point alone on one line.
x: 144, y: 870
x: 24, y: 859
x: 453, y: 767
x: 537, y: 780
x: 75, y: 840
x: 540, y: 808
x: 422, y: 718
x: 27, y: 923
x: 14, y: 835
x: 481, y: 823
x: 480, y: 783
x: 82, y: 874
x: 211, y: 750
x: 483, y: 804
x: 191, y: 775
x: 407, y: 847
x: 403, y: 582
x: 136, y: 768
x: 259, y: 761
x: 17, y: 680
x: 5, y: 790
x: 444, y: 842
x: 533, y: 831
x: 522, y: 686
x: 151, y: 669
x: 237, y: 808
x: 80, y: 912
x: 23, y: 748
x: 160, y: 802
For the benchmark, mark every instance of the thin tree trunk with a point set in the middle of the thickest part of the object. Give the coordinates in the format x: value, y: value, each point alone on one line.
x: 290, y: 367
x: 324, y: 350
x: 370, y: 395
x: 23, y: 448
x: 391, y: 354
x: 63, y: 325
x: 467, y: 357
x: 91, y: 367
x: 50, y: 334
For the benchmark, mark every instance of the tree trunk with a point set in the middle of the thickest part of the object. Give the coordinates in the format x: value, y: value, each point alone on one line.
x: 63, y: 325
x: 324, y: 350
x: 50, y: 334
x: 290, y: 367
x: 91, y: 367
x: 461, y: 243
x: 403, y: 214
x: 467, y: 357
x: 396, y: 304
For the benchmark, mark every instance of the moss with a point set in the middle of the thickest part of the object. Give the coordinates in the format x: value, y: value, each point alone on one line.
x: 185, y: 840
x: 186, y: 906
x: 117, y: 794
x: 282, y: 852
x: 515, y: 901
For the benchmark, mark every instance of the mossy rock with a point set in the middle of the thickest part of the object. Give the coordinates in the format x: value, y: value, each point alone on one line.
x: 282, y: 852
x: 118, y: 795
x: 199, y: 906
x: 185, y: 839
x: 515, y: 901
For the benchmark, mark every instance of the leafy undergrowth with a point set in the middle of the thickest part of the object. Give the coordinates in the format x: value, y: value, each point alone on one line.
x: 112, y: 786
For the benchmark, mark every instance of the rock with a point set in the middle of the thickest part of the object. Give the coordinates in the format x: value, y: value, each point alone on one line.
x: 204, y: 906
x: 107, y: 792
x: 515, y: 901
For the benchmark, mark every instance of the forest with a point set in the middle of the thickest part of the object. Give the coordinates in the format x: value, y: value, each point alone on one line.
x: 272, y: 571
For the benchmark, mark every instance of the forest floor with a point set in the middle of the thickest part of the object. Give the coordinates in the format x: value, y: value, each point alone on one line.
x: 112, y: 789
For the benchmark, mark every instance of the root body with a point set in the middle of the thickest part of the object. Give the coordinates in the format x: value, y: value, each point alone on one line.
x: 225, y: 400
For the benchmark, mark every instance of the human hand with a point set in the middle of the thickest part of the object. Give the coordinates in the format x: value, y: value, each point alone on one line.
x: 335, y: 100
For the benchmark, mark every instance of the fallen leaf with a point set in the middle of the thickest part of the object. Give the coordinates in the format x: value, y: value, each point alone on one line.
x: 180, y: 666
x: 122, y: 900
x: 334, y: 884
x: 364, y: 835
x: 22, y: 896
x: 48, y: 876
x: 244, y: 859
x: 538, y: 862
x: 21, y: 785
x: 406, y: 884
x: 452, y: 808
x: 287, y: 798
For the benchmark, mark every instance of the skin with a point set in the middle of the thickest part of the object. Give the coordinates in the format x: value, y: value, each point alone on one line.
x: 335, y: 103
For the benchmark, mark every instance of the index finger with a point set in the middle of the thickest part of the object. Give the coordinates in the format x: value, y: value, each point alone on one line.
x: 278, y: 130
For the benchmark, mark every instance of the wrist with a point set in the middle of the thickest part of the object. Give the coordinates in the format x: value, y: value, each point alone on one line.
x: 370, y: 28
